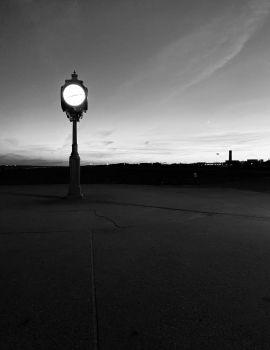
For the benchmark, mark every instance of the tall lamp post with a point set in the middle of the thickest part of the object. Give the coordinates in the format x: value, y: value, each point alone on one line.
x: 74, y: 101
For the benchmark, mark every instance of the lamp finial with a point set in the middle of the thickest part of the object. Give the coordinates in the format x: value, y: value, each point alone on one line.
x: 74, y: 75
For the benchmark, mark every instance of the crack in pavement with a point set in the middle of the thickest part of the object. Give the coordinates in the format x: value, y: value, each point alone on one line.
x: 208, y: 213
x: 186, y: 210
x: 101, y: 216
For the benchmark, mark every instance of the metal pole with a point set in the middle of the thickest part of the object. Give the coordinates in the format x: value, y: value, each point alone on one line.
x: 74, y: 132
x: 74, y: 139
x: 74, y: 190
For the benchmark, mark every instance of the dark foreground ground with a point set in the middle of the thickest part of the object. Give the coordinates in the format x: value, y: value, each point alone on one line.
x: 135, y: 267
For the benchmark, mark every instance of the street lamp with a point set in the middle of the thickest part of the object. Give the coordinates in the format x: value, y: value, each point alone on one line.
x: 74, y: 102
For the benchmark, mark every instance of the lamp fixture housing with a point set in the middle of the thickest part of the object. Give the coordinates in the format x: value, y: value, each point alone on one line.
x: 74, y: 96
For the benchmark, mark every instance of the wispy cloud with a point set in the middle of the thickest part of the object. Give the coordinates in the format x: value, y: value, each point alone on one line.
x: 213, y: 46
x: 105, y: 133
x: 232, y: 139
x: 66, y: 143
x: 12, y: 141
x: 106, y: 143
x: 195, y: 57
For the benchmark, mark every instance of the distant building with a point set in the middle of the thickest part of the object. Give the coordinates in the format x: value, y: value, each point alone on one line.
x: 254, y: 162
x: 233, y: 163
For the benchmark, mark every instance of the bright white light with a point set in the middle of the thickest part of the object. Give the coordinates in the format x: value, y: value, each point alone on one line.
x: 74, y: 95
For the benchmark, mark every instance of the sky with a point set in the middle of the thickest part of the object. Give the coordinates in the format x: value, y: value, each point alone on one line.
x: 174, y: 81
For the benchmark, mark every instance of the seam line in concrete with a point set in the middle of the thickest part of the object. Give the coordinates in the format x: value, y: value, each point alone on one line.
x: 95, y: 317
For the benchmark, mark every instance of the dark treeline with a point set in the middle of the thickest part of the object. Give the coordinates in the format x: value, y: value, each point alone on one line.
x: 144, y: 174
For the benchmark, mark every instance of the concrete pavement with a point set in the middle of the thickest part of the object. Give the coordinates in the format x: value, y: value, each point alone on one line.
x: 134, y: 267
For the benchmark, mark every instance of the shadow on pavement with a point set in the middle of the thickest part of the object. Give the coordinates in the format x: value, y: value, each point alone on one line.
x: 33, y: 195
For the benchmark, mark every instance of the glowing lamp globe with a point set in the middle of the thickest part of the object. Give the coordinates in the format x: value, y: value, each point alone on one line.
x: 74, y: 98
x: 74, y: 95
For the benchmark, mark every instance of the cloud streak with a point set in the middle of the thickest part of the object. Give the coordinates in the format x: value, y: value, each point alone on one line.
x: 105, y: 133
x: 193, y: 58
x: 238, y: 138
x: 12, y: 141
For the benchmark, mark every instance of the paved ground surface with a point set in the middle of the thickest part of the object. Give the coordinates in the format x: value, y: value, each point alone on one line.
x: 134, y: 267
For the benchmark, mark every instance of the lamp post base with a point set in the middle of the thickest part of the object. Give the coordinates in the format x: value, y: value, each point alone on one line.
x: 74, y: 197
x: 74, y: 192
